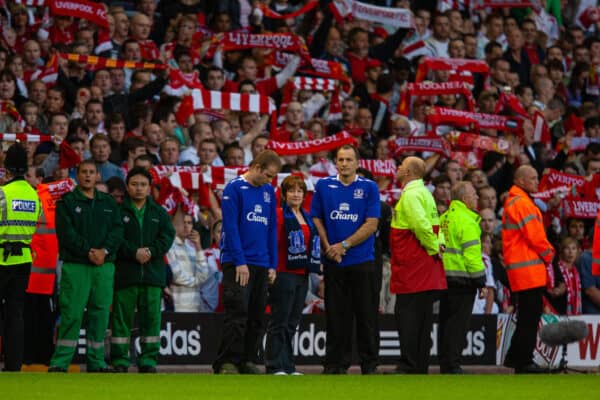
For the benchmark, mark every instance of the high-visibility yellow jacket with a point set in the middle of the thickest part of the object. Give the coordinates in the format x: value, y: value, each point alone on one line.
x: 524, y: 244
x: 19, y: 214
x: 415, y: 242
x: 462, y: 258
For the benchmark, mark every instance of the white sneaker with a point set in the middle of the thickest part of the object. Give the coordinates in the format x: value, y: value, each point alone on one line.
x: 296, y: 373
x: 280, y: 373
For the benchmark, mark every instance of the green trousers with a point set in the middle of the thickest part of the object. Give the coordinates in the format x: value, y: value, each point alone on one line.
x: 147, y: 301
x: 81, y: 286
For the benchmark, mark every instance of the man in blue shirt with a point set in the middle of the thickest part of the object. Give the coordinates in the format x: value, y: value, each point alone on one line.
x: 249, y: 260
x: 590, y: 284
x: 345, y: 209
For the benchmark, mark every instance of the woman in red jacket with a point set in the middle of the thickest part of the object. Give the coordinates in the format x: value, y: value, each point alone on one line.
x: 299, y: 253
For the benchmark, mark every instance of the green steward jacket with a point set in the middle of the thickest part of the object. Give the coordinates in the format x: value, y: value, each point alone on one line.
x: 462, y: 258
x: 156, y: 233
x: 83, y: 224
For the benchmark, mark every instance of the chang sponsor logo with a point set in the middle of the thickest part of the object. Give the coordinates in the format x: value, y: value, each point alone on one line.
x: 253, y: 216
x: 342, y: 214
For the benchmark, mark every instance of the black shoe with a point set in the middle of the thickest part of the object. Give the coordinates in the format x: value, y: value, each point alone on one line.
x: 452, y: 371
x: 531, y: 369
x: 120, y: 369
x: 370, y: 371
x: 334, y: 371
x: 146, y: 369
x: 103, y: 370
x: 57, y: 369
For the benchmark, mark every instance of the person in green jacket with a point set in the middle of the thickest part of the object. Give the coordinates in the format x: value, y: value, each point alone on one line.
x: 141, y: 274
x: 89, y: 232
x: 465, y: 273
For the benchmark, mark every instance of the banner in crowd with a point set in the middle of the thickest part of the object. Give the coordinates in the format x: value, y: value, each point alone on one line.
x: 326, y: 143
x: 421, y: 143
x: 80, y: 9
x: 465, y: 141
x: 269, y: 13
x: 103, y: 62
x: 313, y: 67
x: 450, y: 64
x: 576, y: 207
x: 587, y: 14
x: 442, y: 115
x: 193, y: 338
x: 394, y: 17
x: 427, y: 88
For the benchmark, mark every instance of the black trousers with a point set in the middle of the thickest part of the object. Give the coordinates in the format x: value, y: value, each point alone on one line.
x: 13, y: 282
x: 40, y: 318
x: 349, y: 296
x: 244, y: 323
x: 529, y: 311
x: 286, y: 298
x: 456, y: 308
x: 414, y: 316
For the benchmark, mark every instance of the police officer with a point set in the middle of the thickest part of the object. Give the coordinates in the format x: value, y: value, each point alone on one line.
x: 19, y: 213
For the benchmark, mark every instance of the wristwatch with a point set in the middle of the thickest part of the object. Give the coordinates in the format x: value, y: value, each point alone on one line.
x: 345, y: 245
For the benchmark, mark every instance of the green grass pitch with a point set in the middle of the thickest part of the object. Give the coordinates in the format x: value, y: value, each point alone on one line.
x: 310, y: 387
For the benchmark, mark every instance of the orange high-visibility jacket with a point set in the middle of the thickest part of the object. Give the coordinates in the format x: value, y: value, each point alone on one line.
x: 525, y: 246
x: 44, y: 247
x: 596, y: 247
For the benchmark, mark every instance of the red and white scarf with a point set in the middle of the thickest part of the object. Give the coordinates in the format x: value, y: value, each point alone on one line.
x: 573, y: 285
x: 444, y: 115
x: 420, y: 143
x: 201, y: 99
x: 434, y: 89
x: 576, y: 207
x: 239, y: 40
x: 395, y: 17
x: 467, y: 141
x: 80, y: 9
x: 25, y: 137
x: 450, y: 64
x: 379, y: 167
x: 311, y: 146
x: 269, y: 13
x: 478, y: 4
x: 182, y: 83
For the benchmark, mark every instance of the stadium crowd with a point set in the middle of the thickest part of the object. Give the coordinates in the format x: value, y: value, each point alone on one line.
x: 475, y: 89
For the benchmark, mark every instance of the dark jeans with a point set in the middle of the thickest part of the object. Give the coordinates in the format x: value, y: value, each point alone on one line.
x: 244, y: 322
x: 286, y: 299
x: 414, y: 316
x: 13, y: 282
x: 40, y: 317
x: 456, y: 308
x: 349, y: 296
x: 529, y: 311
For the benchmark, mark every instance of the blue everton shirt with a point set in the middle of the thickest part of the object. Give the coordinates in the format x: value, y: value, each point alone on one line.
x: 249, y: 232
x: 343, y: 209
